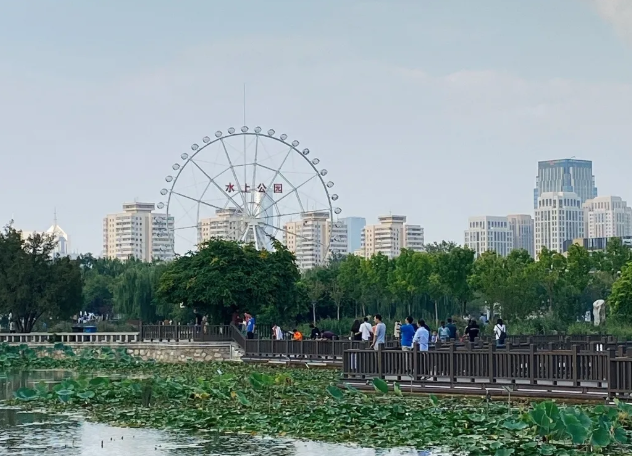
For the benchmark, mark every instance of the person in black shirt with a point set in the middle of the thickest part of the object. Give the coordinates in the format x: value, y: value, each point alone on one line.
x: 355, y: 330
x: 472, y: 330
x: 315, y: 332
x: 328, y: 335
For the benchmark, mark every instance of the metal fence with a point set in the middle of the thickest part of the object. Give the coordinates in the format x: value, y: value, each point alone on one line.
x: 192, y: 333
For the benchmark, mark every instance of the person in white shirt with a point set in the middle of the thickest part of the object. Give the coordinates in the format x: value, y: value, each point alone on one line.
x: 500, y: 332
x: 366, y: 330
x: 278, y: 333
x: 421, y: 336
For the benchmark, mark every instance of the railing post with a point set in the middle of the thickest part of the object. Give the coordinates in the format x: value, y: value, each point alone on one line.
x: 575, y: 357
x: 415, y: 355
x: 612, y: 373
x: 532, y: 366
x: 491, y: 363
x: 452, y: 363
x: 159, y: 333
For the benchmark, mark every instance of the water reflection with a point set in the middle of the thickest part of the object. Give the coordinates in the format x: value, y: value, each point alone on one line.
x: 12, y: 381
x: 37, y: 433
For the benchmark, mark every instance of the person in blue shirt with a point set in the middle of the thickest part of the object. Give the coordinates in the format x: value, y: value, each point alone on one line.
x: 250, y: 326
x: 407, y: 330
x: 379, y: 337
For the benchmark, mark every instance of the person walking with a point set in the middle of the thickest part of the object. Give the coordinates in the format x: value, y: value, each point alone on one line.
x: 277, y: 332
x: 472, y: 330
x: 365, y: 330
x: 355, y: 330
x: 444, y: 332
x: 407, y: 332
x: 454, y: 333
x: 422, y: 336
x: 500, y: 332
x: 315, y: 332
x: 379, y: 336
x: 396, y: 329
x: 250, y: 326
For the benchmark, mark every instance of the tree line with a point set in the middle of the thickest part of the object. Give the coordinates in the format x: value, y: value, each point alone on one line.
x: 224, y: 278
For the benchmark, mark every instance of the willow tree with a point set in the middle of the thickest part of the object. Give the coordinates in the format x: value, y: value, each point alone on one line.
x: 135, y: 291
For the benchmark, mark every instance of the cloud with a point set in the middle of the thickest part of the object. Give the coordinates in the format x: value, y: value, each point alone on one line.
x: 617, y: 13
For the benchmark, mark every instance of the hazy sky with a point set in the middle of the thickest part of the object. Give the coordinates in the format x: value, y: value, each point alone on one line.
x: 433, y: 109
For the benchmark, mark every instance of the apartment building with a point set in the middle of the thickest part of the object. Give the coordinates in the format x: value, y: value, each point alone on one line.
x: 138, y: 232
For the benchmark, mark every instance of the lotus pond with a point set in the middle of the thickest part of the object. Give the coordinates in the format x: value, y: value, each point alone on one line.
x: 233, y: 400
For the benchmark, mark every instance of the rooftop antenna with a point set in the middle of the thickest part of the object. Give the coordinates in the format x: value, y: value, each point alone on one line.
x: 55, y: 218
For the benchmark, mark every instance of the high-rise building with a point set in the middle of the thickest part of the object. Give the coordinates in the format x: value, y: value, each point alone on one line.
x: 489, y: 233
x: 314, y: 238
x: 522, y: 229
x: 227, y: 224
x: 607, y: 217
x: 139, y: 233
x: 390, y: 236
x: 566, y: 175
x: 559, y: 217
x: 354, y: 232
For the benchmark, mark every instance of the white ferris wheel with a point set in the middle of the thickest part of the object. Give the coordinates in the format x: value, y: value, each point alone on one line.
x: 251, y: 186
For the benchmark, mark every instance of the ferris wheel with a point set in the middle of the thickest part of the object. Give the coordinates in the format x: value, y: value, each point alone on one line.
x: 251, y: 186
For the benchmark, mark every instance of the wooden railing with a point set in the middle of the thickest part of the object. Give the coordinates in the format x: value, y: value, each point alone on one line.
x: 330, y: 350
x: 557, y: 372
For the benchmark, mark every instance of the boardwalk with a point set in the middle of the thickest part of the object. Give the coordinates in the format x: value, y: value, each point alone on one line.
x: 586, y: 367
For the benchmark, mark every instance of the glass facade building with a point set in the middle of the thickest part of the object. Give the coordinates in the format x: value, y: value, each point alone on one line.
x: 567, y: 175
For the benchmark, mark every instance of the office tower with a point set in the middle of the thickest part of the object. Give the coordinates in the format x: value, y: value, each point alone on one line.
x: 559, y: 217
x: 522, y: 229
x: 607, y: 217
x: 354, y: 232
x: 139, y: 233
x: 489, y: 233
x: 566, y: 175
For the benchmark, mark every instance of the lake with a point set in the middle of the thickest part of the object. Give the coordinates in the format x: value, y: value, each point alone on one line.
x: 36, y: 433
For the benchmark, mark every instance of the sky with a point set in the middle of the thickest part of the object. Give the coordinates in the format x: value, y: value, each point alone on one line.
x: 437, y: 110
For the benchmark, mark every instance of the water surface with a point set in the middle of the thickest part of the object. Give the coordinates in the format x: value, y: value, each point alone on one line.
x: 38, y: 433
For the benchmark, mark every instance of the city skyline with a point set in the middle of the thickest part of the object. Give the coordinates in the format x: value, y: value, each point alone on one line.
x: 442, y: 103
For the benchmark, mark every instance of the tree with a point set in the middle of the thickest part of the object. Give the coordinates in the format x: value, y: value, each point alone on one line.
x: 454, y: 266
x: 410, y: 277
x: 442, y: 247
x: 620, y: 300
x: 33, y: 283
x: 134, y: 291
x: 349, y: 280
x: 224, y: 277
x: 316, y: 288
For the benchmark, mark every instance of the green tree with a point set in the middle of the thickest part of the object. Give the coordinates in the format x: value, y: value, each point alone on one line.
x: 454, y: 266
x: 620, y: 300
x: 33, y: 283
x: 350, y: 280
x: 410, y: 277
x: 135, y: 291
x: 224, y: 277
